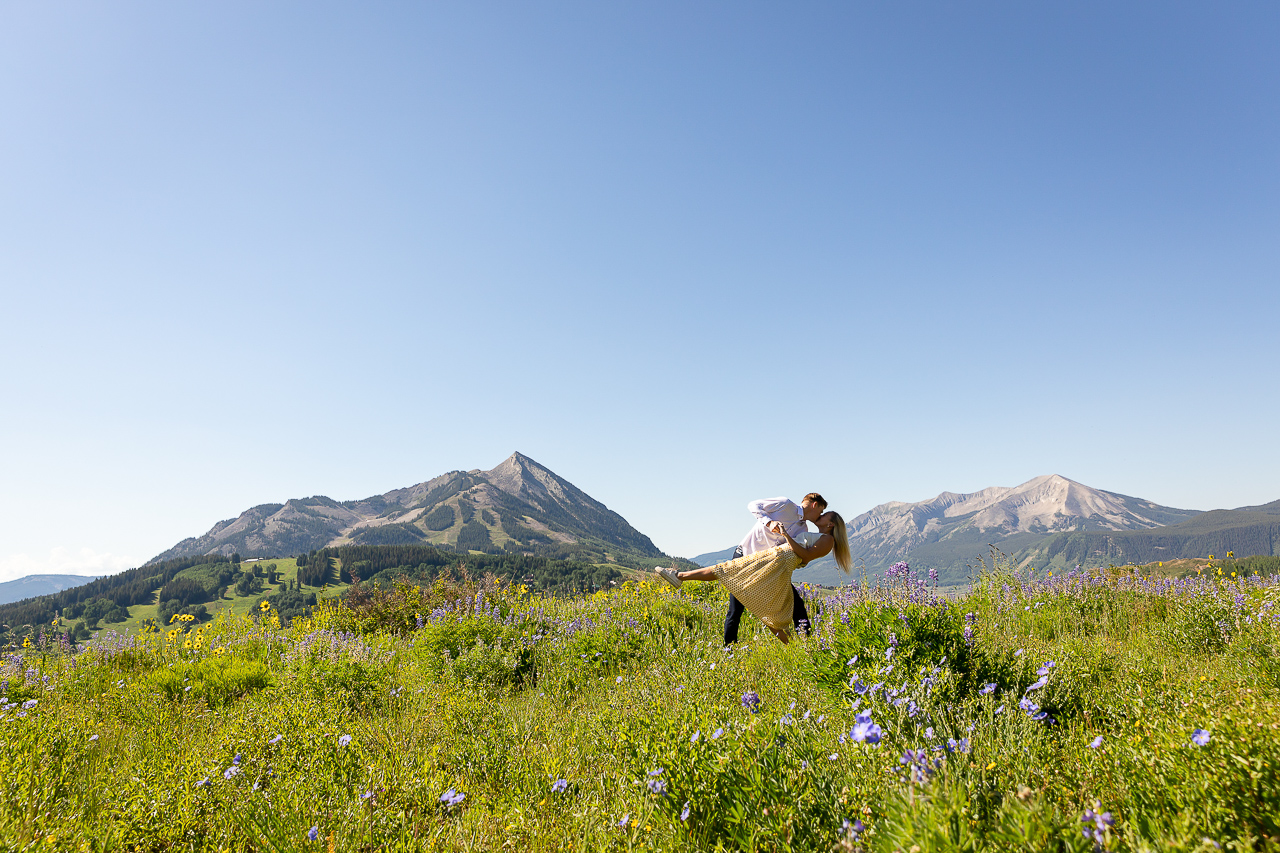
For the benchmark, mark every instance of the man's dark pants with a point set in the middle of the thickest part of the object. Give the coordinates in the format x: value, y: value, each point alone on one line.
x: 799, y: 613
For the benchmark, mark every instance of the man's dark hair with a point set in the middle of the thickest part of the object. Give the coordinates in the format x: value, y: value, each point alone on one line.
x: 815, y: 498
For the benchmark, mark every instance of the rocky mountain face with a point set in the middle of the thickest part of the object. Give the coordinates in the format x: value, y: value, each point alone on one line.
x: 949, y: 532
x: 518, y: 506
x: 1041, y: 506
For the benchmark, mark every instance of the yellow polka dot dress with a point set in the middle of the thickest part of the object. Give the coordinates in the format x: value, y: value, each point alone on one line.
x: 762, y: 582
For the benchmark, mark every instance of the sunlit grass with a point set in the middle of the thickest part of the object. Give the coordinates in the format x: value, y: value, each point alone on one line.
x: 468, y: 718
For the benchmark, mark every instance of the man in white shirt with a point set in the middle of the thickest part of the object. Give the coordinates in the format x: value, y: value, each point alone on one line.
x: 760, y: 537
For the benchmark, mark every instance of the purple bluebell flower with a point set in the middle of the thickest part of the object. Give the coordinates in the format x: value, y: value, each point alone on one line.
x: 626, y: 819
x: 313, y: 833
x: 344, y: 740
x: 684, y: 814
x: 452, y: 798
x: 751, y: 701
x: 1037, y: 684
x: 1200, y: 737
x: 231, y: 772
x: 1044, y: 670
x: 560, y: 786
x: 696, y: 735
x: 865, y: 731
x: 990, y: 688
x: 275, y: 740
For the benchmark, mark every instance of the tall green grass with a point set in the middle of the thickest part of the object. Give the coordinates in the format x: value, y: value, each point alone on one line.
x: 618, y: 722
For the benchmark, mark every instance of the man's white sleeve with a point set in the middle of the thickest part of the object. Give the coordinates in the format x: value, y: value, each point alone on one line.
x: 771, y: 508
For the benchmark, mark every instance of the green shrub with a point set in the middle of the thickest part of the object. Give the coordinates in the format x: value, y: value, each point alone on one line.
x: 217, y: 680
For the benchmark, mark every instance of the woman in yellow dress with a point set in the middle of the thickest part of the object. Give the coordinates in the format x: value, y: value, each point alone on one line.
x: 762, y: 581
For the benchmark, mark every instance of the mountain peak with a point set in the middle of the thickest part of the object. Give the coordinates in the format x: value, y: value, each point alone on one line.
x: 520, y: 504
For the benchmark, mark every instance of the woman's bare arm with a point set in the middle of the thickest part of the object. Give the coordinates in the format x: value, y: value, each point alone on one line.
x: 818, y: 549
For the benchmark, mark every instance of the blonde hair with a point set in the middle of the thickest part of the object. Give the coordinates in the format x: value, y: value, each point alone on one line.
x: 843, y: 558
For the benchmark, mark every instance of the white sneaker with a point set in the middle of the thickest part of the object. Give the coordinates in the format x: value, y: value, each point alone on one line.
x: 670, y: 577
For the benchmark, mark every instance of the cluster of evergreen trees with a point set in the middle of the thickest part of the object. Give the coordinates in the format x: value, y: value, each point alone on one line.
x: 423, y: 563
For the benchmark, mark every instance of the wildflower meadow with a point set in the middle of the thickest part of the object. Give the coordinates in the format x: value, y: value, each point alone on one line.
x: 1096, y: 710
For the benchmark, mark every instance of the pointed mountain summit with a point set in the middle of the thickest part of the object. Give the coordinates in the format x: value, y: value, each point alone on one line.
x: 519, y: 506
x: 949, y: 532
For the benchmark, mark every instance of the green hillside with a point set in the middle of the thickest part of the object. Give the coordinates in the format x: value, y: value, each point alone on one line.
x: 206, y: 587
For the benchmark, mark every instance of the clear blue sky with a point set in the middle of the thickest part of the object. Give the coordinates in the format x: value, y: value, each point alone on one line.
x: 683, y: 254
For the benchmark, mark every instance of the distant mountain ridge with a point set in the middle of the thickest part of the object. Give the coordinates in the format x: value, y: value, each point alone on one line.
x: 1045, y: 523
x: 33, y: 585
x: 950, y: 525
x: 517, y: 506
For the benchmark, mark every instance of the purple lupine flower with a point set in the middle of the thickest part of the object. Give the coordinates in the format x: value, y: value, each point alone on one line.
x: 751, y: 701
x: 1096, y: 824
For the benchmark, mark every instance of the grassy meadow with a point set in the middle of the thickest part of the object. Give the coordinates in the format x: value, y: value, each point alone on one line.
x: 1100, y: 710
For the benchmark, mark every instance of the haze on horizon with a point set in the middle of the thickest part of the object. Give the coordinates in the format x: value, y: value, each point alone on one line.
x: 682, y: 255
